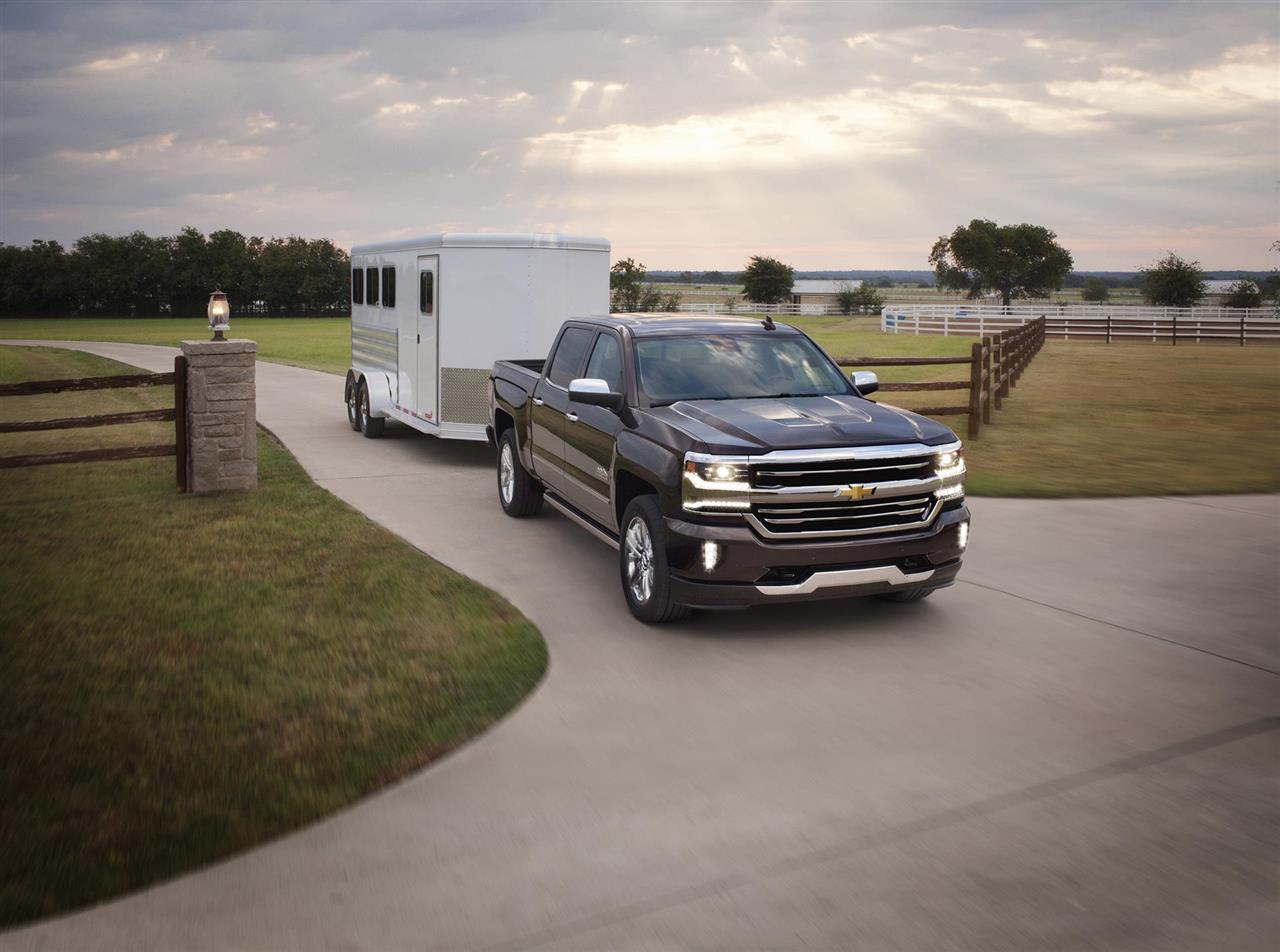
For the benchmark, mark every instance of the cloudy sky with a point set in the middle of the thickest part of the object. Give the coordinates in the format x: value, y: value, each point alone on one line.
x: 833, y: 135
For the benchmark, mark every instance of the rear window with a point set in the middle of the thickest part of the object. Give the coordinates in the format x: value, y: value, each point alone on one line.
x: 357, y: 285
x: 568, y: 358
x: 388, y: 287
x: 371, y: 286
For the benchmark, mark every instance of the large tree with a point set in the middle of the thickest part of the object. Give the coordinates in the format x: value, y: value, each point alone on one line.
x: 767, y: 280
x: 1095, y: 289
x: 1016, y: 260
x: 1173, y: 282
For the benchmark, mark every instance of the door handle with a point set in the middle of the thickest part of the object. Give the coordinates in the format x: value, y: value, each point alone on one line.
x: 571, y: 417
x: 538, y: 401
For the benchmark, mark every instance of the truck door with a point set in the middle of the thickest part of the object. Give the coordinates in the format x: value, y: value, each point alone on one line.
x: 426, y: 357
x: 590, y: 435
x: 551, y: 403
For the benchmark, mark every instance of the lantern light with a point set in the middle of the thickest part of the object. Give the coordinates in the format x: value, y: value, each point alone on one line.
x: 219, y: 314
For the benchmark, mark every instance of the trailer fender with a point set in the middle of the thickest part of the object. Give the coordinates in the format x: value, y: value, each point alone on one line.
x: 379, y: 386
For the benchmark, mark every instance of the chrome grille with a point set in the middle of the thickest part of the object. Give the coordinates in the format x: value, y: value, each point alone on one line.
x: 815, y: 497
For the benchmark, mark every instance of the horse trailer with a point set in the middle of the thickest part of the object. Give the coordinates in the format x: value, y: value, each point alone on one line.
x: 430, y: 316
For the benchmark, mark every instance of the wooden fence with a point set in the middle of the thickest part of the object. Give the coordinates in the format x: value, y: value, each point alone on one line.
x: 995, y: 364
x: 177, y: 413
x: 1188, y: 331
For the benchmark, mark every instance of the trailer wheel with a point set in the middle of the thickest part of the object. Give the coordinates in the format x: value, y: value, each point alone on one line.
x: 642, y: 563
x: 353, y: 403
x: 519, y: 493
x: 371, y: 426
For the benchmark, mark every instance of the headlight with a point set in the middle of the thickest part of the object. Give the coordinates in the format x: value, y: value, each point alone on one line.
x: 715, y: 482
x: 949, y: 467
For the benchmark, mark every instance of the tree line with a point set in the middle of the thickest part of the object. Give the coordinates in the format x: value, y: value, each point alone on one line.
x: 143, y: 276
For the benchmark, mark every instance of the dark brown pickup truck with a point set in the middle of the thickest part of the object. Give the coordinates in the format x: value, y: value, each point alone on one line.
x: 730, y: 462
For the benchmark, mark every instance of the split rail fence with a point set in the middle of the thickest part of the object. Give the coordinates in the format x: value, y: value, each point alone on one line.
x: 995, y: 363
x: 176, y: 413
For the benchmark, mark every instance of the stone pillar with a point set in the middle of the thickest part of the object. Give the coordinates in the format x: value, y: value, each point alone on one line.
x: 222, y: 439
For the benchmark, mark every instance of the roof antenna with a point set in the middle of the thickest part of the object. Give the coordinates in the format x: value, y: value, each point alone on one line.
x: 768, y: 322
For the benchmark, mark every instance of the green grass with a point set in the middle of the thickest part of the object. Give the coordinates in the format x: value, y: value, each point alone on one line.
x: 321, y: 343
x: 182, y: 677
x: 1092, y: 419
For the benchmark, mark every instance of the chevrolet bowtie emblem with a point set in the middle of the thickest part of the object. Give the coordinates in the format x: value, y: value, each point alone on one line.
x: 855, y: 492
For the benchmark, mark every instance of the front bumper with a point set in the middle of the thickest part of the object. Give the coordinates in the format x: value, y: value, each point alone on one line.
x: 750, y: 571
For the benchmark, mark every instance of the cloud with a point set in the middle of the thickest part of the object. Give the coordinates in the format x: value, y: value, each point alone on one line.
x: 833, y: 135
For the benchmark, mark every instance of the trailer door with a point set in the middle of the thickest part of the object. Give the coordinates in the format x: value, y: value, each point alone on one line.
x: 426, y: 395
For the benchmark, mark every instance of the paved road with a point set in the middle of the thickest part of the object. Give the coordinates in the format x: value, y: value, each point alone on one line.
x: 1074, y: 748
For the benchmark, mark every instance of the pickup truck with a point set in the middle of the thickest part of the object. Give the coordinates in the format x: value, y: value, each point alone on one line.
x: 731, y: 463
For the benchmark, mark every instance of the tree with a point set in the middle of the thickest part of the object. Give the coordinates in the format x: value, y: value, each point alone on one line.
x: 1095, y: 289
x: 767, y: 280
x: 1243, y: 294
x: 855, y: 299
x: 626, y: 285
x: 1016, y: 260
x: 1173, y: 282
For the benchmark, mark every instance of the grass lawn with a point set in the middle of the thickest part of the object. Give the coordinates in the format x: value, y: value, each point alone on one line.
x: 1087, y: 419
x: 321, y: 343
x: 182, y: 677
x: 1092, y: 419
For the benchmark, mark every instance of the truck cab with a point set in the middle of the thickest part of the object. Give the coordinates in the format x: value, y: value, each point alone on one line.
x: 731, y: 462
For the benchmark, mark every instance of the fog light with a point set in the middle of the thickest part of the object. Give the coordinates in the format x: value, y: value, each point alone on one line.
x: 710, y: 556
x: 964, y: 535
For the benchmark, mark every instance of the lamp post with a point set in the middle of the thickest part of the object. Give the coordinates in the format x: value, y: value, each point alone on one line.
x: 219, y: 314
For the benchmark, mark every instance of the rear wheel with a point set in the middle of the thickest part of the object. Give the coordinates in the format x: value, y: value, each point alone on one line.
x: 353, y: 404
x: 370, y: 425
x: 646, y: 577
x: 519, y: 493
x: 906, y: 595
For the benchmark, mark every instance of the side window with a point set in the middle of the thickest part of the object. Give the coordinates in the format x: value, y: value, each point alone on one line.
x: 569, y: 354
x: 357, y: 286
x: 371, y: 286
x: 606, y: 362
x: 388, y: 287
x: 426, y: 292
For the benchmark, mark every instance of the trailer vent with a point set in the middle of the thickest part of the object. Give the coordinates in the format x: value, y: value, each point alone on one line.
x: 464, y: 395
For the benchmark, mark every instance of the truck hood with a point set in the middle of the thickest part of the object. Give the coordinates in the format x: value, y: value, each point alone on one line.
x: 762, y: 424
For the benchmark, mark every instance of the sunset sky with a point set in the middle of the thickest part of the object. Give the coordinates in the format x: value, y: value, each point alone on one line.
x: 834, y: 135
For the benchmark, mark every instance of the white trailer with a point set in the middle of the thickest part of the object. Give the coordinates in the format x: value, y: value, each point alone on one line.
x: 431, y: 315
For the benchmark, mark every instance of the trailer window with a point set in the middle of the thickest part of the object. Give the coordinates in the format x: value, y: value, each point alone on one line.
x: 357, y: 285
x: 606, y: 362
x: 426, y: 292
x: 388, y: 287
x: 569, y: 354
x: 371, y: 286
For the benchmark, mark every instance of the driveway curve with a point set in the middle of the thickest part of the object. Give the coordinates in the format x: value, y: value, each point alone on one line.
x: 1075, y: 747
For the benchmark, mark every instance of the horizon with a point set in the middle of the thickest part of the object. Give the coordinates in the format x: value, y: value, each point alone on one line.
x: 833, y: 137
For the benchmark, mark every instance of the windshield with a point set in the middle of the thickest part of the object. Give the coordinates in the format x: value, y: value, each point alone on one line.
x: 733, y: 366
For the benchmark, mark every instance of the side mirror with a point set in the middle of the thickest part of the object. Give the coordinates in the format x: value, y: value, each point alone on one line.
x: 865, y: 381
x: 594, y: 393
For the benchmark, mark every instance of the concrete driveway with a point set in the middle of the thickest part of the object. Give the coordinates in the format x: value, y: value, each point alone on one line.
x: 1074, y: 748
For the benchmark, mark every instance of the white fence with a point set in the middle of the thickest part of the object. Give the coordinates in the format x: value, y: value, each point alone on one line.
x: 1088, y: 321
x: 750, y: 307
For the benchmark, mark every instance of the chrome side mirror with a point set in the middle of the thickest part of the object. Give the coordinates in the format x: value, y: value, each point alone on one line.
x: 865, y: 381
x: 594, y: 393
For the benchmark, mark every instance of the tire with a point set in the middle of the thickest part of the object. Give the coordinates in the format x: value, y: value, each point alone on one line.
x: 642, y: 564
x: 906, y: 595
x: 371, y: 426
x: 518, y: 492
x: 353, y: 403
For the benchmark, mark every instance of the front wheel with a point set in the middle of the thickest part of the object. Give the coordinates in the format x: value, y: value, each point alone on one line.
x: 646, y: 577
x: 370, y: 425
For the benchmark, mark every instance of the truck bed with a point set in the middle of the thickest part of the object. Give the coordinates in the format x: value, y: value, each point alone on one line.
x: 525, y: 373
